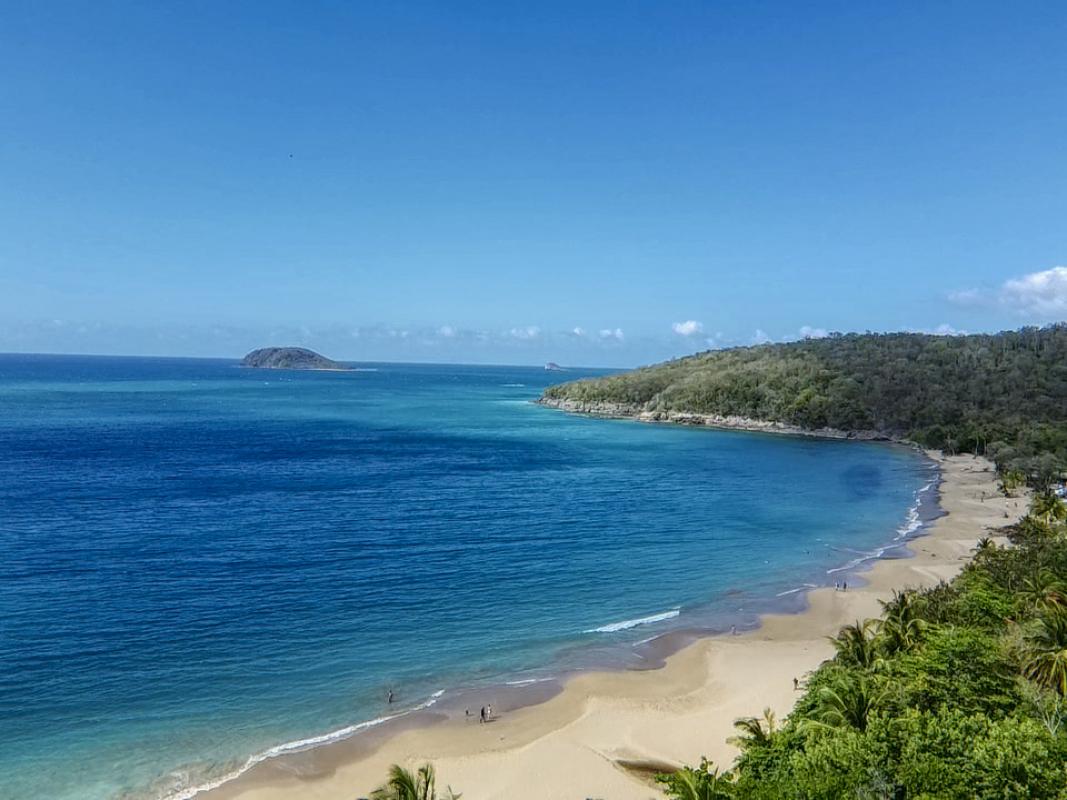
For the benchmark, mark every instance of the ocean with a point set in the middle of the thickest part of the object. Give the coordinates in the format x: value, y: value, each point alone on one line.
x: 203, y: 565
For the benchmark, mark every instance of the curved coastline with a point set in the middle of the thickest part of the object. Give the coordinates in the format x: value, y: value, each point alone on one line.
x: 675, y: 706
x: 730, y: 423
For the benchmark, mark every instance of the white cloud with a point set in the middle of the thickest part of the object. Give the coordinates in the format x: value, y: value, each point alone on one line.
x: 944, y: 329
x: 446, y: 332
x: 688, y: 328
x: 808, y: 332
x: 578, y: 331
x: 716, y: 340
x: 527, y: 333
x: 1040, y: 294
x: 608, y: 333
x: 967, y: 297
x: 760, y: 337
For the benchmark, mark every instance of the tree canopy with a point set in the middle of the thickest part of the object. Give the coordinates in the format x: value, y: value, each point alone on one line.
x: 1003, y: 394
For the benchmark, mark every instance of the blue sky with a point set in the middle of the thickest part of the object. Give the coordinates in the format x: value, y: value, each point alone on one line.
x: 604, y: 183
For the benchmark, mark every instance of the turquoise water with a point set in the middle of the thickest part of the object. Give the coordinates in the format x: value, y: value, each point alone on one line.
x: 201, y: 563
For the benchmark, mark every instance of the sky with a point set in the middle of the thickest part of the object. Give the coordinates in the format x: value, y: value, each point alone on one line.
x: 595, y: 183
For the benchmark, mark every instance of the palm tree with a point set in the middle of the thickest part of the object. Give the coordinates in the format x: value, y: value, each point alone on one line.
x: 754, y: 732
x: 902, y: 628
x: 846, y: 703
x: 1048, y: 507
x: 1046, y: 662
x: 1045, y: 588
x: 855, y: 644
x: 404, y: 785
x: 705, y: 783
x: 984, y: 547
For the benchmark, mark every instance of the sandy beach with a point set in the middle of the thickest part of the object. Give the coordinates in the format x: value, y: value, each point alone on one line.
x: 592, y: 739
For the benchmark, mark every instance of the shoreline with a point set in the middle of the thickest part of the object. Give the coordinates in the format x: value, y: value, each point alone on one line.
x: 599, y: 733
x: 606, y: 410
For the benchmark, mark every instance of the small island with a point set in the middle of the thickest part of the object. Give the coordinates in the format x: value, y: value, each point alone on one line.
x: 290, y: 358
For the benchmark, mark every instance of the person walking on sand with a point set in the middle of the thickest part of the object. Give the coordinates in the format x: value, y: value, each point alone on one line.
x: 796, y: 684
x: 488, y: 712
x: 482, y: 717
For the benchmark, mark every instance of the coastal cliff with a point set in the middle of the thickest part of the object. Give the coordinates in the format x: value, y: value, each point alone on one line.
x: 289, y: 358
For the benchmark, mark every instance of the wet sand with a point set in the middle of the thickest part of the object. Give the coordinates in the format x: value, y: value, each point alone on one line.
x: 597, y: 736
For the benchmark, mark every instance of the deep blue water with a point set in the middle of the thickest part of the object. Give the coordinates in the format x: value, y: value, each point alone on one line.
x: 200, y: 562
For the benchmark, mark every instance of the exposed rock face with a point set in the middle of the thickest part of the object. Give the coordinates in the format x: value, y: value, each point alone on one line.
x: 624, y: 411
x: 289, y: 358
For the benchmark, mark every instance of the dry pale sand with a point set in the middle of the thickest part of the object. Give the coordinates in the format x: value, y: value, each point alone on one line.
x: 583, y: 742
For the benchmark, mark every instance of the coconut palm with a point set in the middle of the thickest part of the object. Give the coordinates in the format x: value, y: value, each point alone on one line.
x: 754, y: 732
x: 902, y: 628
x: 1044, y: 588
x: 847, y: 702
x: 1046, y: 651
x: 705, y: 783
x: 405, y: 785
x: 1049, y: 508
x: 855, y: 644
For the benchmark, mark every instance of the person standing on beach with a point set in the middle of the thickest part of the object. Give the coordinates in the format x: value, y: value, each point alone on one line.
x: 488, y: 712
x: 482, y: 717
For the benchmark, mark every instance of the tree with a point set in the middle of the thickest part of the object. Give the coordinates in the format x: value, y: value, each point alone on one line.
x: 902, y: 628
x: 1049, y: 508
x: 848, y: 701
x: 855, y: 644
x: 754, y: 732
x: 704, y: 783
x: 405, y: 785
x: 1044, y: 588
x: 1046, y: 650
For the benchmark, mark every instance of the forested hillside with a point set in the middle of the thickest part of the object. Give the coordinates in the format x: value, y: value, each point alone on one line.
x: 1001, y: 394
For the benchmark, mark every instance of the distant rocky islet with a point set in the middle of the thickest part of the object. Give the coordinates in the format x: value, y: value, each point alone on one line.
x: 290, y: 358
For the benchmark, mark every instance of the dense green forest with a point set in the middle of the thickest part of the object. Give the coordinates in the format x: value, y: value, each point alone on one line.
x: 1004, y: 394
x: 956, y: 692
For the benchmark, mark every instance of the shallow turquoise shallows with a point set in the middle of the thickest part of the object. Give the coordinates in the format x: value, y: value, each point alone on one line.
x: 199, y: 563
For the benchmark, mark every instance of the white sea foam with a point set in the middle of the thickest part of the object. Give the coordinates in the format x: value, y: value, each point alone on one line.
x: 912, y: 523
x: 803, y: 588
x: 646, y: 641
x: 297, y: 746
x: 633, y: 623
x: 527, y: 681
